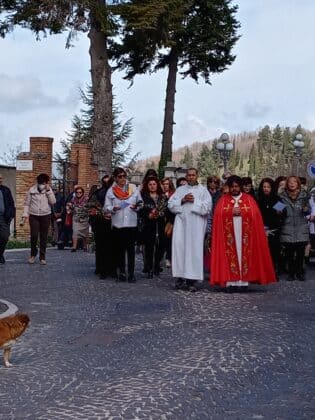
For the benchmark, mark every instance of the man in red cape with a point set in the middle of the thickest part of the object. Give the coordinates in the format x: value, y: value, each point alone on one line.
x: 239, y: 248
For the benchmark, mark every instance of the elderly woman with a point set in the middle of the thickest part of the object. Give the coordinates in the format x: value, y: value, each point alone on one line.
x: 294, y: 233
x: 37, y: 210
x: 80, y: 223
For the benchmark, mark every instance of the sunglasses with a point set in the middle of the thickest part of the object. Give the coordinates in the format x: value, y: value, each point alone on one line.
x: 121, y: 176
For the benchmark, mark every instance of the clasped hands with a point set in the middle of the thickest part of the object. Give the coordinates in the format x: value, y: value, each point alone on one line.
x: 188, y: 198
x: 236, y: 211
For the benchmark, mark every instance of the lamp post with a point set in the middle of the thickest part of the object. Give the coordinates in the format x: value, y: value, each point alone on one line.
x: 298, y: 144
x: 225, y: 147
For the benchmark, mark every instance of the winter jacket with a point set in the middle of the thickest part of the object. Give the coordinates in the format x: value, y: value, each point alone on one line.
x: 38, y: 203
x: 272, y: 219
x: 9, y: 208
x: 153, y: 227
x: 295, y: 226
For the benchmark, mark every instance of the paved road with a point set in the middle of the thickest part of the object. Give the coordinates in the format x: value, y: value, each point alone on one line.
x: 97, y: 349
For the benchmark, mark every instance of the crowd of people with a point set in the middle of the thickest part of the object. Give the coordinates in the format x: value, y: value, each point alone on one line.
x: 227, y: 228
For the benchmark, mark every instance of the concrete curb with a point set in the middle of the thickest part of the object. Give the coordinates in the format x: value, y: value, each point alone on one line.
x: 12, y: 309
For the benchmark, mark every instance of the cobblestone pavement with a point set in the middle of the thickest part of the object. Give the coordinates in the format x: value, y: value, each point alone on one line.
x: 97, y: 349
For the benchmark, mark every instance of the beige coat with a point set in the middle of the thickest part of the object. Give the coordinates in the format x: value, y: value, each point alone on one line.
x: 38, y: 203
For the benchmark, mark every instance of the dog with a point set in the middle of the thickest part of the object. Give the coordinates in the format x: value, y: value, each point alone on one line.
x: 11, y: 328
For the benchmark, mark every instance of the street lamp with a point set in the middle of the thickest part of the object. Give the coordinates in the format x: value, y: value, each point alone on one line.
x: 225, y: 147
x: 298, y: 143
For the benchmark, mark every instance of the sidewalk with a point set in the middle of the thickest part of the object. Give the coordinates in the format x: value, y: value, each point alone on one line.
x: 97, y: 349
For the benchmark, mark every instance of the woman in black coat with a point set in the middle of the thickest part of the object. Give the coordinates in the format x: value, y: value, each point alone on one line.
x: 152, y: 215
x: 267, y: 198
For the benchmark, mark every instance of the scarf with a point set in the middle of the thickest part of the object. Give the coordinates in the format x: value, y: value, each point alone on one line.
x: 122, y: 193
x: 79, y: 202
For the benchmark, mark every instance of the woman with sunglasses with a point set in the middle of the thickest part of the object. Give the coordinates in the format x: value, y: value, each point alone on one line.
x: 120, y: 201
x: 80, y: 222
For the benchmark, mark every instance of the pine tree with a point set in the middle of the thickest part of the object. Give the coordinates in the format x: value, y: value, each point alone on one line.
x: 97, y: 19
x: 188, y: 158
x: 252, y: 161
x: 196, y: 36
x: 204, y: 162
x: 82, y: 127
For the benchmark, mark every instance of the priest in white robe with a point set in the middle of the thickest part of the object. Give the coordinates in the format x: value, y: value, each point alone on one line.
x: 191, y: 204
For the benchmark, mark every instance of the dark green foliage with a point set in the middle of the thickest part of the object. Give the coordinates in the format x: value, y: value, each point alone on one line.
x: 192, y: 37
x: 48, y: 17
x: 208, y: 161
x: 82, y: 127
x: 188, y: 158
x: 276, y: 155
x: 202, y: 33
x: 271, y: 152
x: 99, y: 20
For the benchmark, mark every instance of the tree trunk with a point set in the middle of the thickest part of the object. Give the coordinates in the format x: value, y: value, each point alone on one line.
x: 102, y: 128
x: 167, y: 133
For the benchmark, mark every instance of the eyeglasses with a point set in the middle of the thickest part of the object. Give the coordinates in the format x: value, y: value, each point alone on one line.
x: 79, y: 192
x: 121, y: 176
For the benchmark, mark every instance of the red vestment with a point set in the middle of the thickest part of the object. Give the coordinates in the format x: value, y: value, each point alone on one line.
x: 257, y: 266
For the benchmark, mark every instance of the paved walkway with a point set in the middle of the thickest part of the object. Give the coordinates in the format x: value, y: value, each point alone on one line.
x: 97, y: 349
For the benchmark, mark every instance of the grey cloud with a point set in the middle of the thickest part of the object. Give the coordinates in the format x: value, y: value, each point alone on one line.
x: 193, y: 129
x: 21, y: 94
x: 256, y: 110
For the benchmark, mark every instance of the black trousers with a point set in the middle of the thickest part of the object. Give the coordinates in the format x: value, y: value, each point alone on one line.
x: 154, y: 248
x: 4, y: 234
x: 274, y: 247
x: 294, y: 253
x: 168, y: 248
x: 124, y: 243
x: 39, y: 226
x: 104, y: 252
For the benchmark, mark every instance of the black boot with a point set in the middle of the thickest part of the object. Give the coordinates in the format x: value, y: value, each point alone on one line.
x: 121, y: 276
x: 131, y: 278
x: 300, y: 277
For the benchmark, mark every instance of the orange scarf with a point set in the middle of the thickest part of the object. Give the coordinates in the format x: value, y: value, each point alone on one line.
x: 120, y: 193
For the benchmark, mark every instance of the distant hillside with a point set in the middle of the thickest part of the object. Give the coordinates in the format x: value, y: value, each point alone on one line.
x: 242, y: 141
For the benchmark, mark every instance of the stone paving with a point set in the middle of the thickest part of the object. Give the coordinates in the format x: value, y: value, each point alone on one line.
x: 97, y: 349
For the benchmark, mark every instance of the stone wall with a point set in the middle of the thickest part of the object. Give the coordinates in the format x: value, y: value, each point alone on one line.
x: 80, y: 158
x: 39, y: 160
x: 29, y: 166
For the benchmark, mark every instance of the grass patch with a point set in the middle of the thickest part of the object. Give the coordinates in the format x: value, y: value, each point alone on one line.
x: 14, y: 244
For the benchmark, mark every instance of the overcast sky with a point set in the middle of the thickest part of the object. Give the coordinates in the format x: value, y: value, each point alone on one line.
x: 270, y: 82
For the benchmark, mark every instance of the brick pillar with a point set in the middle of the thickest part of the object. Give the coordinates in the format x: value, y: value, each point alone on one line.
x: 40, y: 155
x: 87, y: 173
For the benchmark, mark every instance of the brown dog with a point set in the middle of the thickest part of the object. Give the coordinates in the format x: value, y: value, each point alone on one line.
x: 11, y: 328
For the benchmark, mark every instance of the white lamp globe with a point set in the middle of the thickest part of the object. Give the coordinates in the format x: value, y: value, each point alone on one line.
x: 299, y: 137
x: 220, y: 146
x: 229, y: 146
